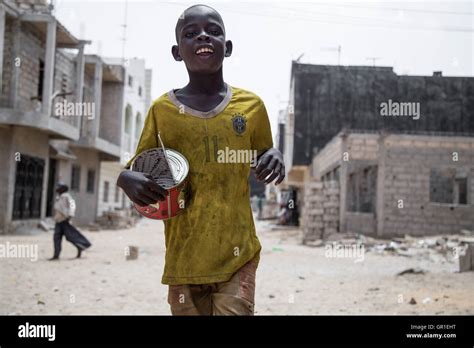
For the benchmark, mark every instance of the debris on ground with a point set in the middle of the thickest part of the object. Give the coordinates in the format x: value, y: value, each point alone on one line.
x: 131, y: 253
x: 117, y: 219
x: 440, y: 248
x: 415, y: 270
x: 412, y: 301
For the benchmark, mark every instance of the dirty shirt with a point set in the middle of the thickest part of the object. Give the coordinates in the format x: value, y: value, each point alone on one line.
x: 215, y: 235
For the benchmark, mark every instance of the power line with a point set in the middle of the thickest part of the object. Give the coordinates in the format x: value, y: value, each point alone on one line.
x: 398, y: 9
x: 399, y: 26
x: 330, y: 21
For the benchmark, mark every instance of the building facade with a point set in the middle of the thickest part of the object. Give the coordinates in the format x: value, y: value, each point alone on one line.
x: 52, y: 116
x: 396, y: 184
x: 136, y: 99
x: 327, y: 102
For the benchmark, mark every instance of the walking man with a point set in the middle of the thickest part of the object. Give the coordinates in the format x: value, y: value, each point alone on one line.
x: 64, y: 209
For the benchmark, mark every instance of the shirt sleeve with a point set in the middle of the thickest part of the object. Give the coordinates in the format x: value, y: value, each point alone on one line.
x: 261, y: 138
x: 149, y: 136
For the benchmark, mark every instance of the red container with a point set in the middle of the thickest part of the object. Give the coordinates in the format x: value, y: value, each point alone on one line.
x: 172, y: 177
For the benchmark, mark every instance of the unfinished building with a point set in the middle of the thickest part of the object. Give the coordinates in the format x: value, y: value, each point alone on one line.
x: 397, y: 184
x: 327, y: 102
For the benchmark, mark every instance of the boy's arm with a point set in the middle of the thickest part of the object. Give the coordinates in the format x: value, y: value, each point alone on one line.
x: 270, y: 165
x: 140, y: 187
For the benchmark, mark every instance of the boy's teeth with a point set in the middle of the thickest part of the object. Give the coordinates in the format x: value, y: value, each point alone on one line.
x: 205, y: 49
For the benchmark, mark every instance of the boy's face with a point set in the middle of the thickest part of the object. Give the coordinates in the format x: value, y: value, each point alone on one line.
x: 201, y: 40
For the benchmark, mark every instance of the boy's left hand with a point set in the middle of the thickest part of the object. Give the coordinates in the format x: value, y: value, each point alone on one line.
x: 270, y: 161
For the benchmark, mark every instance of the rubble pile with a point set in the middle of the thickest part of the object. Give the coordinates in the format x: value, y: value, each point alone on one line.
x: 444, y: 248
x: 117, y: 219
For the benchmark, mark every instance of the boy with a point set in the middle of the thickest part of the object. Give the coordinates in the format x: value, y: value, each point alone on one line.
x: 212, y: 250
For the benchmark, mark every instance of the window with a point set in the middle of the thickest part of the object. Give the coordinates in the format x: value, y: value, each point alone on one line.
x: 448, y: 186
x: 28, y: 188
x: 64, y: 83
x: 75, y: 177
x: 361, y: 190
x: 460, y: 190
x: 130, y: 81
x: 117, y: 194
x: 140, y: 91
x: 106, y: 191
x: 90, y: 181
x: 40, y: 79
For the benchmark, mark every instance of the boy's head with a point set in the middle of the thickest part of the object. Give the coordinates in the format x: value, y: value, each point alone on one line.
x: 200, y: 38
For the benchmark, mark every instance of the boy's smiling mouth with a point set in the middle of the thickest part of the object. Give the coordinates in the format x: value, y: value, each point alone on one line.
x: 204, y: 51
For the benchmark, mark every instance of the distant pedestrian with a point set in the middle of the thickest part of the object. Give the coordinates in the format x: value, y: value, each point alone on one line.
x: 260, y: 207
x: 64, y: 210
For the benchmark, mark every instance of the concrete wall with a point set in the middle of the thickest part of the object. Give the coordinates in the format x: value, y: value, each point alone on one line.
x: 109, y: 171
x: 25, y: 141
x: 111, y: 112
x: 408, y: 163
x: 65, y: 76
x: 328, y: 98
x: 139, y: 108
x: 7, y: 61
x: 32, y: 49
x: 86, y: 202
x: 404, y: 164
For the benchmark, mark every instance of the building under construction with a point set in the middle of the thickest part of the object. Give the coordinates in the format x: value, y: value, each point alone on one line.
x: 388, y: 174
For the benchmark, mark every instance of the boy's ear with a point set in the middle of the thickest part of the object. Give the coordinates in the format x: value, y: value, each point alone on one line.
x: 228, y: 48
x: 175, y: 53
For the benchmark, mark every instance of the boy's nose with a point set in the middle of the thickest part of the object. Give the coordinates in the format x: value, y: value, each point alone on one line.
x: 203, y: 36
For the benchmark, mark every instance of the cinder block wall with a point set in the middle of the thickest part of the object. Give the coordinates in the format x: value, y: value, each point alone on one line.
x: 32, y: 49
x: 111, y: 112
x: 321, y: 210
x: 408, y: 163
x: 65, y: 73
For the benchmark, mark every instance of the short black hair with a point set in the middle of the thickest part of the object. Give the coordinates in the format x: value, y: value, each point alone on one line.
x: 179, y: 23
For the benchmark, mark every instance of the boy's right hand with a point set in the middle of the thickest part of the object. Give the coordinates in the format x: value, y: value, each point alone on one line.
x: 141, y: 188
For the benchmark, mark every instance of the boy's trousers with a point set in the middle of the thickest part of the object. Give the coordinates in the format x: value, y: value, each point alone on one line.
x: 233, y: 297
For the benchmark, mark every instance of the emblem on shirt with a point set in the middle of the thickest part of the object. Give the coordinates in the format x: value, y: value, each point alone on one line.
x: 239, y: 123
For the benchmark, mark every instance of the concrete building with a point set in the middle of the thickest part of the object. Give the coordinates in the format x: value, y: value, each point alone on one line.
x: 52, y: 116
x: 130, y: 110
x: 327, y: 102
x: 324, y: 99
x: 397, y: 184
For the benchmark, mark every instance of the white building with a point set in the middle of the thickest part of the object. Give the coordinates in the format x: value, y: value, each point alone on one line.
x: 136, y: 101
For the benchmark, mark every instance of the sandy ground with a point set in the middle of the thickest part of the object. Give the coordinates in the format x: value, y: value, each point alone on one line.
x: 291, y: 279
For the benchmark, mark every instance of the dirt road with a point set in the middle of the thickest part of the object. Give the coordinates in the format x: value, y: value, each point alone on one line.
x: 291, y: 279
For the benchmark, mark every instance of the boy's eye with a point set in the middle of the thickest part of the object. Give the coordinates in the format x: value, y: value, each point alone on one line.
x: 189, y: 34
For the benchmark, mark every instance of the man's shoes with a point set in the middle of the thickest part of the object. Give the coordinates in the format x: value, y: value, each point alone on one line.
x: 79, y: 252
x: 54, y: 258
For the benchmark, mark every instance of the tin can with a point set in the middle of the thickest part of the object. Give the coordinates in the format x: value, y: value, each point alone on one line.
x: 171, y: 173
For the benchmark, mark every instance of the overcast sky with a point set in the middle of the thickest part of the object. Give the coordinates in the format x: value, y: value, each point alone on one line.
x: 414, y: 37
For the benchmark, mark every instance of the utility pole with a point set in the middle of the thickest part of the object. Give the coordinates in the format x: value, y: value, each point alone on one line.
x: 124, y: 26
x: 337, y: 49
x: 373, y: 59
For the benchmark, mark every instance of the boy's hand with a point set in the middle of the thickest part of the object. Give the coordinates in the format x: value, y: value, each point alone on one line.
x: 270, y: 161
x: 140, y: 188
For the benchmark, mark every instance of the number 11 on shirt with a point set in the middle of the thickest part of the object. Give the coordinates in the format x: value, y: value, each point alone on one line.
x: 206, y: 144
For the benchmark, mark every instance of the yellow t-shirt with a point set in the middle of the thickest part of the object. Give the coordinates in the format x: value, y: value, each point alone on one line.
x: 215, y: 235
